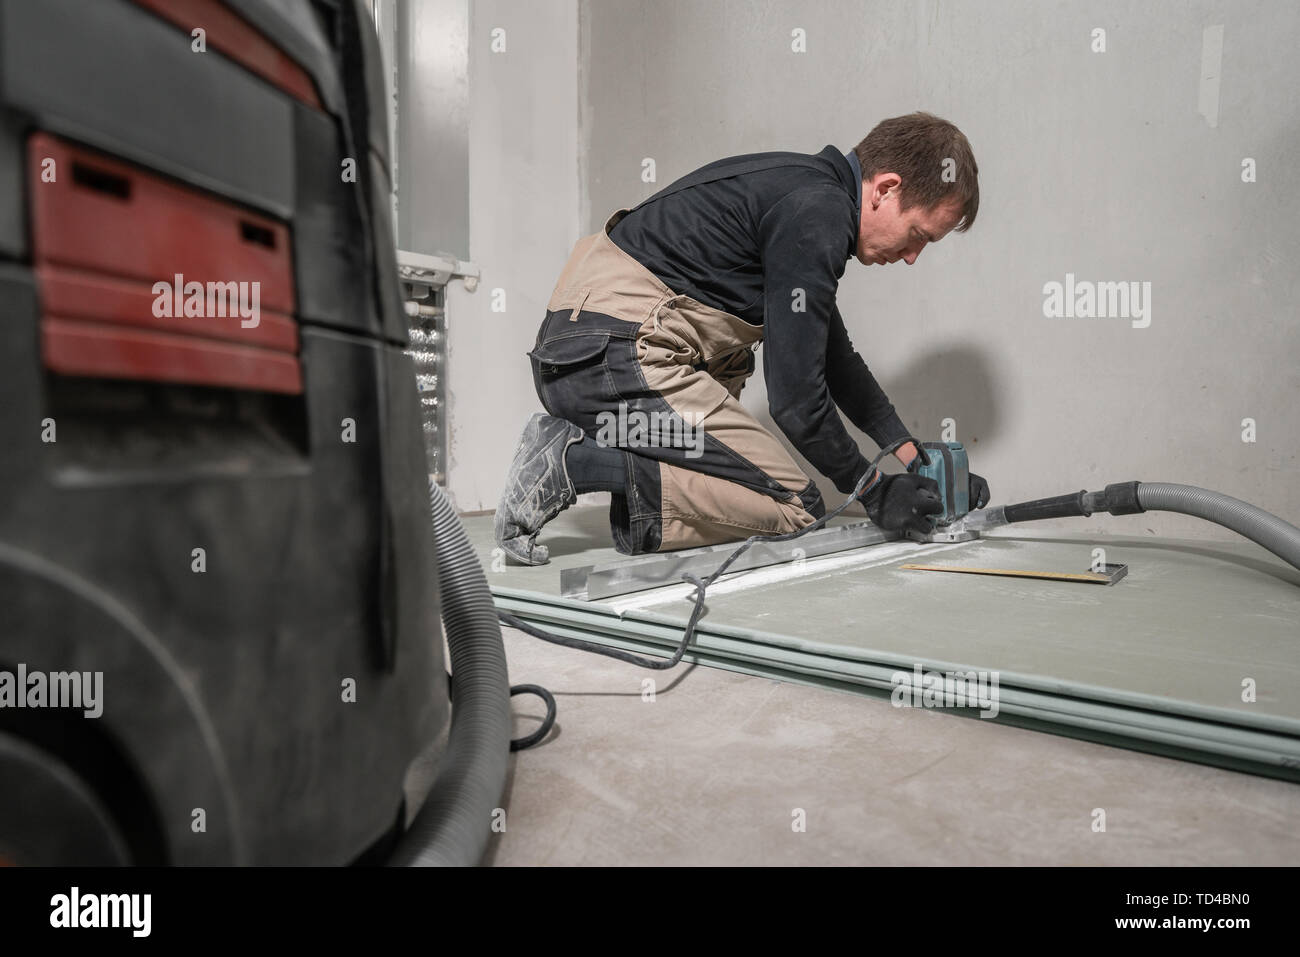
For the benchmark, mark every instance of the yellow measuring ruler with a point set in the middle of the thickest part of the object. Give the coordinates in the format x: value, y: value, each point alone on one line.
x: 1112, y: 574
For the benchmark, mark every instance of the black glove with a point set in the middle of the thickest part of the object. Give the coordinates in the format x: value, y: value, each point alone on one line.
x: 899, y: 503
x: 979, y: 491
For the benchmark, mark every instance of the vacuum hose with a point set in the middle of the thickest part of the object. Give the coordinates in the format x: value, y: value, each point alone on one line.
x: 1128, y: 498
x: 1279, y: 537
x: 453, y: 826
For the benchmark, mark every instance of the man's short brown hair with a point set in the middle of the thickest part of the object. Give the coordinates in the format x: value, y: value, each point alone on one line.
x: 933, y: 158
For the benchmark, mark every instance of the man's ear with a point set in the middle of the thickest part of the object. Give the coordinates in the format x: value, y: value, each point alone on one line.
x: 880, y: 186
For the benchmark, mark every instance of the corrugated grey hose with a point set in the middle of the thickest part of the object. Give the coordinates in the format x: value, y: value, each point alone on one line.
x: 453, y: 826
x: 1279, y: 537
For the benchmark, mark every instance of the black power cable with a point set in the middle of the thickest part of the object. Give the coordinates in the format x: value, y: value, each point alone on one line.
x: 701, y: 586
x: 518, y: 744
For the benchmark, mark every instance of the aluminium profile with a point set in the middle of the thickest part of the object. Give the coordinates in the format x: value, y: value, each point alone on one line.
x: 608, y: 579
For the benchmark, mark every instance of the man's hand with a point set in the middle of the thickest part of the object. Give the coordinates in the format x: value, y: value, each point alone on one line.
x: 979, y: 491
x: 900, y: 503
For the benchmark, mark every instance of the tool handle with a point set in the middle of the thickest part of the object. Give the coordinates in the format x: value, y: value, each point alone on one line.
x: 1062, y: 506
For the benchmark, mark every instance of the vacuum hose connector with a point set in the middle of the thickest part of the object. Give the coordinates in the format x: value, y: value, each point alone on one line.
x: 453, y: 826
x: 1128, y: 498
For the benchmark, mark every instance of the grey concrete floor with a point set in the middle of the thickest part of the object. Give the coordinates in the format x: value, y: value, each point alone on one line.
x: 727, y: 769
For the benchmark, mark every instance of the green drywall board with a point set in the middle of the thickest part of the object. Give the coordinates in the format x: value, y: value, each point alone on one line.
x: 1177, y: 637
x: 1190, y: 622
x: 1257, y: 744
x: 667, y: 630
x: 1186, y: 624
x: 1256, y: 754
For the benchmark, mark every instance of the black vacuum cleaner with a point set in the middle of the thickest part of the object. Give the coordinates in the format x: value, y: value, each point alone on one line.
x: 214, y: 521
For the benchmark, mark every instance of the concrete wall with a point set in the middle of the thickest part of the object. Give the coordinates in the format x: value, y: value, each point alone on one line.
x: 1123, y: 165
x: 523, y: 220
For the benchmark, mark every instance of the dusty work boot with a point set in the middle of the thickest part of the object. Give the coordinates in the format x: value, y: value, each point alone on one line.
x: 538, y: 488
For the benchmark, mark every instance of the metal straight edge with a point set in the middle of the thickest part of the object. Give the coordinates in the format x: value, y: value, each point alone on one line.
x: 593, y: 582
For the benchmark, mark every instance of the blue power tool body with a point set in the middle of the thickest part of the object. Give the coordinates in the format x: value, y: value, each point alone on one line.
x: 948, y: 466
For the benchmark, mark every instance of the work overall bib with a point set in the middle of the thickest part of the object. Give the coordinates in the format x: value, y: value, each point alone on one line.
x: 658, y: 374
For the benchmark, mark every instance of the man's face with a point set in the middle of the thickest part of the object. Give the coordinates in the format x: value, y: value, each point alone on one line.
x: 888, y: 233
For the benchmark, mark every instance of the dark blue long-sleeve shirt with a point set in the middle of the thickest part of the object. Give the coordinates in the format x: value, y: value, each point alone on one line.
x: 766, y: 237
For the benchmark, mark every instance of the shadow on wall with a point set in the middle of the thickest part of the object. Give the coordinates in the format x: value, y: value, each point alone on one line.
x: 954, y: 383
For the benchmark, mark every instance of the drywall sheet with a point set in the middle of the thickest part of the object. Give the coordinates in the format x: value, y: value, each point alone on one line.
x: 1195, y: 652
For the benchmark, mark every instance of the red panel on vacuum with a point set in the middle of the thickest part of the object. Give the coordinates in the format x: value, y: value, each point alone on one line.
x: 234, y: 37
x: 97, y: 349
x: 79, y: 295
x: 102, y: 215
x: 140, y: 278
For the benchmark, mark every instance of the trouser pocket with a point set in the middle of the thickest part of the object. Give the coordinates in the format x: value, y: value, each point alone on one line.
x: 571, y: 375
